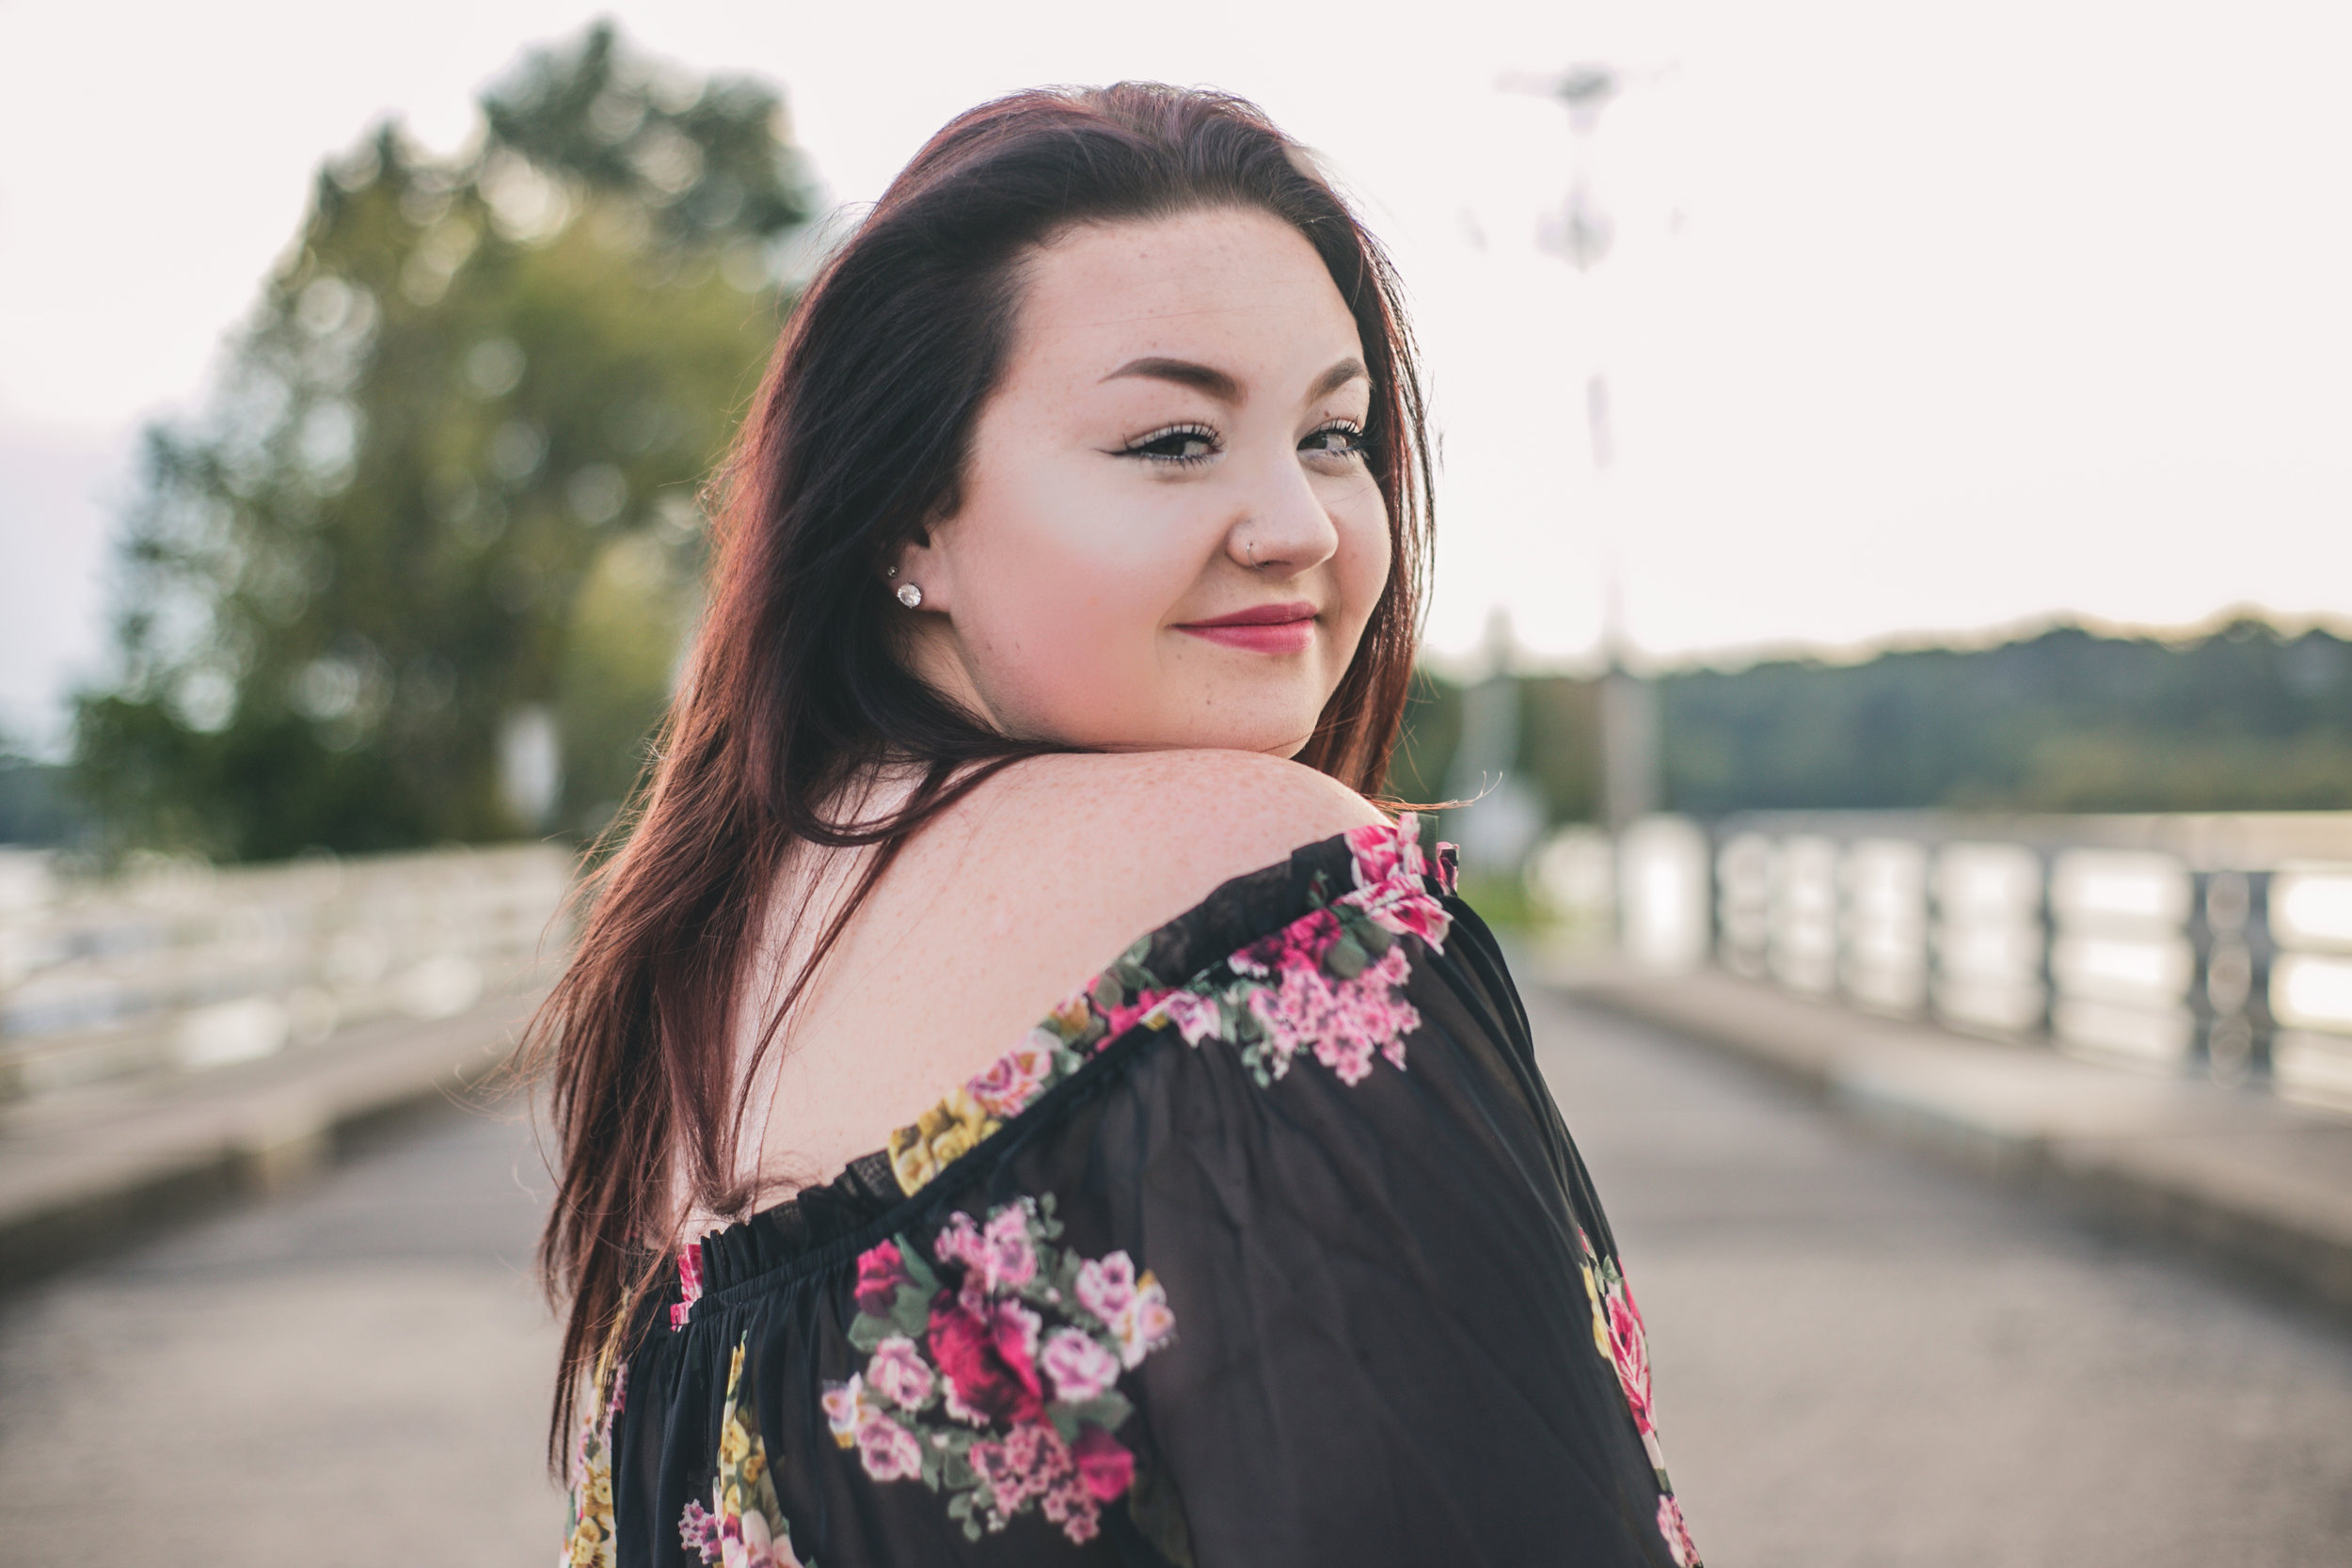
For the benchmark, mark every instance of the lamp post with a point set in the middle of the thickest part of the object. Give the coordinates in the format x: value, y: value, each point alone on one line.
x: 1629, y: 702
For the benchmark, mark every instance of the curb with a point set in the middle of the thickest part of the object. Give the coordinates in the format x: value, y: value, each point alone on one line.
x: 2254, y: 1184
x: 80, y: 1176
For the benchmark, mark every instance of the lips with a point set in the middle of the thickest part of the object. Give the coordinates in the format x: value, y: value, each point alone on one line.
x: 1273, y: 629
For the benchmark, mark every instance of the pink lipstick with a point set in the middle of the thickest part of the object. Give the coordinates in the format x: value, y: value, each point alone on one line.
x: 1273, y: 629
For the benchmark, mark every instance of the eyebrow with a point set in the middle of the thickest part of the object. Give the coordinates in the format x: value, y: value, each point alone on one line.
x: 1222, y: 386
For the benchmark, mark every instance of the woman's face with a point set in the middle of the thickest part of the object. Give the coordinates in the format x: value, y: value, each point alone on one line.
x: 1169, y: 533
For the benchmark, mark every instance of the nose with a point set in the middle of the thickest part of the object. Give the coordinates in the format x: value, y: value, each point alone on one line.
x: 1281, y: 525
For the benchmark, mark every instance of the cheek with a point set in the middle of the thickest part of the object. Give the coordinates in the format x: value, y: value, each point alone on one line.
x: 1061, y: 587
x: 1364, y: 556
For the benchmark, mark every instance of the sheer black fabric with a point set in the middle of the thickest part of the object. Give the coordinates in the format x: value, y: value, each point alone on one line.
x: 1298, y: 1267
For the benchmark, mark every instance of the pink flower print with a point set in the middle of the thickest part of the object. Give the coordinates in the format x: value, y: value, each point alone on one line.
x: 1413, y: 914
x: 880, y: 1270
x: 1382, y: 851
x: 1073, y: 1508
x: 1299, y: 945
x: 1372, y: 1010
x: 1108, y: 1286
x: 898, y: 1372
x: 1342, y: 1023
x: 1030, y: 1463
x: 1118, y: 1020
x: 1629, y: 1346
x: 754, y: 1547
x: 988, y: 1356
x: 1009, y: 1468
x: 847, y: 1409
x: 1135, y: 1310
x: 888, y: 1450
x: 690, y: 1283
x: 1678, y: 1534
x: 1103, y: 1463
x: 1007, y: 1259
x: 998, y: 1260
x: 699, y: 1531
x: 1079, y: 1366
x: 1350, y: 1057
x: 1017, y: 1077
x: 1292, y: 1014
x: 958, y: 1242
x: 1197, y: 1017
x: 1003, y: 1367
x: 1144, y: 1324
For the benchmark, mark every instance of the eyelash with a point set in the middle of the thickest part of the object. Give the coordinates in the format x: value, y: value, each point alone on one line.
x: 1139, y: 447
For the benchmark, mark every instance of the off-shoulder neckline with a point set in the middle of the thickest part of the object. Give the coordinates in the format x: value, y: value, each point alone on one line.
x: 1071, y: 1044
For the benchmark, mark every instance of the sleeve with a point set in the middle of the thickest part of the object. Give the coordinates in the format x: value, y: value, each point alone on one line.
x: 1391, y: 1336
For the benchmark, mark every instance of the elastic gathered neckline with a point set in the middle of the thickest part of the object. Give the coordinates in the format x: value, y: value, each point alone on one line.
x: 824, y: 1224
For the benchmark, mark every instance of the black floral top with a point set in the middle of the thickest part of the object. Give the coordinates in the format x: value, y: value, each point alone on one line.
x: 1267, y: 1246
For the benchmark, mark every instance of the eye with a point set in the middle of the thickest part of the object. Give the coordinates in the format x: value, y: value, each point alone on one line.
x: 1342, y: 438
x: 1184, y: 444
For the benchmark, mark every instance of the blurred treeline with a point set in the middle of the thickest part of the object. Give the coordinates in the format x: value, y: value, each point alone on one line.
x: 2239, y: 718
x: 421, y: 571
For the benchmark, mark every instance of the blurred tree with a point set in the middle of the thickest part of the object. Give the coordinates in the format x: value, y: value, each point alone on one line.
x: 2241, y: 717
x: 441, y: 516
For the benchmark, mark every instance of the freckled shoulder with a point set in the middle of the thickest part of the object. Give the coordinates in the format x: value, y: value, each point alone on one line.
x: 1209, y: 813
x: 1129, y: 841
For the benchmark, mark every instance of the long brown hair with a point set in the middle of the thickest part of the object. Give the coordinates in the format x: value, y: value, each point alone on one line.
x: 855, y: 442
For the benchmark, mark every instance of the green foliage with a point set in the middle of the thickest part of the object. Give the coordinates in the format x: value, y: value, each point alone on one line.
x: 2242, y: 718
x: 36, y: 808
x: 450, y: 475
x: 1559, y: 737
x: 1426, y: 741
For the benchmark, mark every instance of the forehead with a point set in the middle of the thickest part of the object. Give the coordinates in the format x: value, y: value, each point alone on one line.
x: 1231, y: 286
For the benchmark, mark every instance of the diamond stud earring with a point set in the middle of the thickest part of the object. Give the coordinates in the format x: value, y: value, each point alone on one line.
x: 909, y: 595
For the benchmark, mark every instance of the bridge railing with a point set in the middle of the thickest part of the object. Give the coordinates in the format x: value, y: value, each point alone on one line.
x: 2219, y: 945
x: 175, y: 967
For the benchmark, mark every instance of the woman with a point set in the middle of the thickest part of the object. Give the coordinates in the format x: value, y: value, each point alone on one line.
x: 1063, y: 608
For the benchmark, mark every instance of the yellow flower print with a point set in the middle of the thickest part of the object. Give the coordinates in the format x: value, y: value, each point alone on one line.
x: 1072, y: 1019
x: 734, y: 1443
x: 588, y: 1544
x: 1600, y: 1318
x: 948, y: 1130
x: 911, y: 1159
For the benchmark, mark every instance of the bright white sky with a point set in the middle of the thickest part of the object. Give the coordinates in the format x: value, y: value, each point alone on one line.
x: 1921, y: 321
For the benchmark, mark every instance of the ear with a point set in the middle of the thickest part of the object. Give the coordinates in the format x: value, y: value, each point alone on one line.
x: 921, y: 562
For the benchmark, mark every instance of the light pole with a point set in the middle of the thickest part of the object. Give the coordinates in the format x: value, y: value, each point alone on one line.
x: 1629, y: 702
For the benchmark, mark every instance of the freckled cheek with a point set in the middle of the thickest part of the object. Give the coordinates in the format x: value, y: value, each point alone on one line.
x: 1067, y: 594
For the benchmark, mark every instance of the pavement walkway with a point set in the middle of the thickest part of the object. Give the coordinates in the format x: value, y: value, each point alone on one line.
x: 1861, y: 1358
x: 79, y: 1170
x: 2249, y: 1179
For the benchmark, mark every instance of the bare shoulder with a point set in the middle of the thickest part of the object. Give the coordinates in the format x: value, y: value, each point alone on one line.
x: 1025, y: 889
x: 1118, y: 845
x: 1189, y: 813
